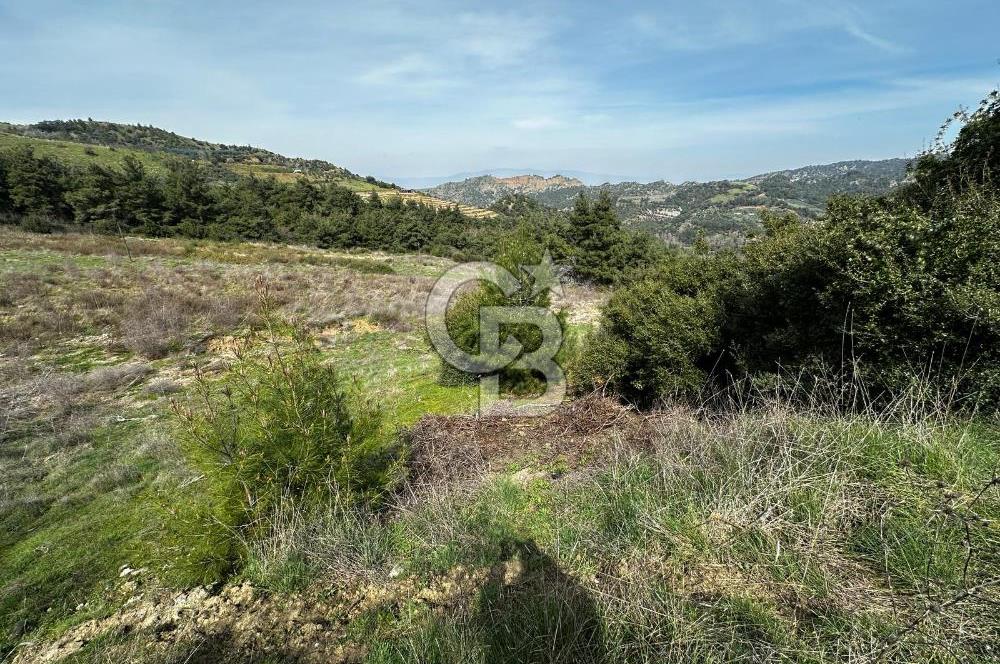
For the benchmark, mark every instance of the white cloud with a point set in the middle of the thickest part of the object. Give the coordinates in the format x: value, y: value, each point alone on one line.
x: 872, y: 40
x: 412, y: 70
x: 535, y: 123
x: 447, y: 59
x: 498, y: 40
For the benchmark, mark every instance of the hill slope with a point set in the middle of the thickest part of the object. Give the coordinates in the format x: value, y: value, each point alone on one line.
x: 154, y: 139
x: 597, y: 533
x: 722, y: 209
x: 82, y: 142
x: 488, y: 189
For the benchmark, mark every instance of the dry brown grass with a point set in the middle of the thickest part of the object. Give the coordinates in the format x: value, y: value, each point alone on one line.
x: 163, y: 387
x: 159, y: 320
x: 155, y: 308
x: 454, y: 448
x: 17, y: 288
x: 242, y: 253
x: 119, y: 376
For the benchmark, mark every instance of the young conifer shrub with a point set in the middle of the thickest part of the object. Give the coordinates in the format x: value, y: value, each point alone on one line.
x: 281, y: 425
x: 517, y: 249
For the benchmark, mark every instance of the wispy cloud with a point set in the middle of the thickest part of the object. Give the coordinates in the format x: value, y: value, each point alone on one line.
x: 431, y: 55
x: 872, y: 40
x: 730, y: 24
x: 411, y: 70
x: 499, y: 40
x: 535, y: 123
x: 664, y: 87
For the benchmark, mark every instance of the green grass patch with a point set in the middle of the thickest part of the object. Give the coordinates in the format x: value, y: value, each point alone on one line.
x: 82, y: 155
x: 401, y: 370
x: 70, y: 552
x: 18, y: 260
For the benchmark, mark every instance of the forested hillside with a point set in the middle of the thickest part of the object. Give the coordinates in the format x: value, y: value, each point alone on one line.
x: 112, y: 178
x: 86, y: 142
x: 153, y: 139
x: 48, y: 186
x: 724, y: 211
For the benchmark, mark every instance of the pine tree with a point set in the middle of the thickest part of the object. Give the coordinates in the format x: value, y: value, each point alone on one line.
x: 595, y: 231
x: 187, y: 199
x: 36, y: 185
x: 342, y: 199
x: 6, y: 206
x: 140, y: 199
x: 94, y: 199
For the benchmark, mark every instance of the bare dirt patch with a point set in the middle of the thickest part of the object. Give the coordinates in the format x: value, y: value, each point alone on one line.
x: 245, y: 623
x: 458, y: 447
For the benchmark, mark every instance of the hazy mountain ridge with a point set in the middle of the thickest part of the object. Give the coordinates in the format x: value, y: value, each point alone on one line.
x: 586, y: 177
x: 722, y: 209
x: 488, y: 189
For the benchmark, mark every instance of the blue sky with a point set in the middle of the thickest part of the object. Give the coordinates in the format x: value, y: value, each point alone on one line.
x: 648, y: 90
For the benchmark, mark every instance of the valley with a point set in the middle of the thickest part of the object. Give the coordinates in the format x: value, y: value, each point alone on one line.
x: 724, y: 211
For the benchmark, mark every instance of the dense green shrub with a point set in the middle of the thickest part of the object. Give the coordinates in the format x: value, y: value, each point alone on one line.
x: 597, y: 246
x: 520, y: 248
x: 971, y: 160
x: 878, y: 292
x: 36, y: 186
x: 6, y: 206
x: 885, y: 292
x: 279, y: 427
x: 658, y: 333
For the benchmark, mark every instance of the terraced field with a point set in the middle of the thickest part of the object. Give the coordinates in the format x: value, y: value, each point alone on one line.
x: 436, y: 203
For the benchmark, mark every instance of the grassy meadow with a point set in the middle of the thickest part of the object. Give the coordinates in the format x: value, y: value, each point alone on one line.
x: 82, y: 155
x: 95, y: 345
x: 761, y: 532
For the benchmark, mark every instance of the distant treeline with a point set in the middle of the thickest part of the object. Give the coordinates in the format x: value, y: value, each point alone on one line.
x: 42, y: 194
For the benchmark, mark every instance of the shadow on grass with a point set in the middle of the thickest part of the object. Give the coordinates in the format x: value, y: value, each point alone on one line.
x: 537, y: 613
x: 221, y: 647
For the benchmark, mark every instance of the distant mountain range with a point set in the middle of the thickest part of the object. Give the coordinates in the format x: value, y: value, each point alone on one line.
x: 724, y: 210
x: 433, y: 181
